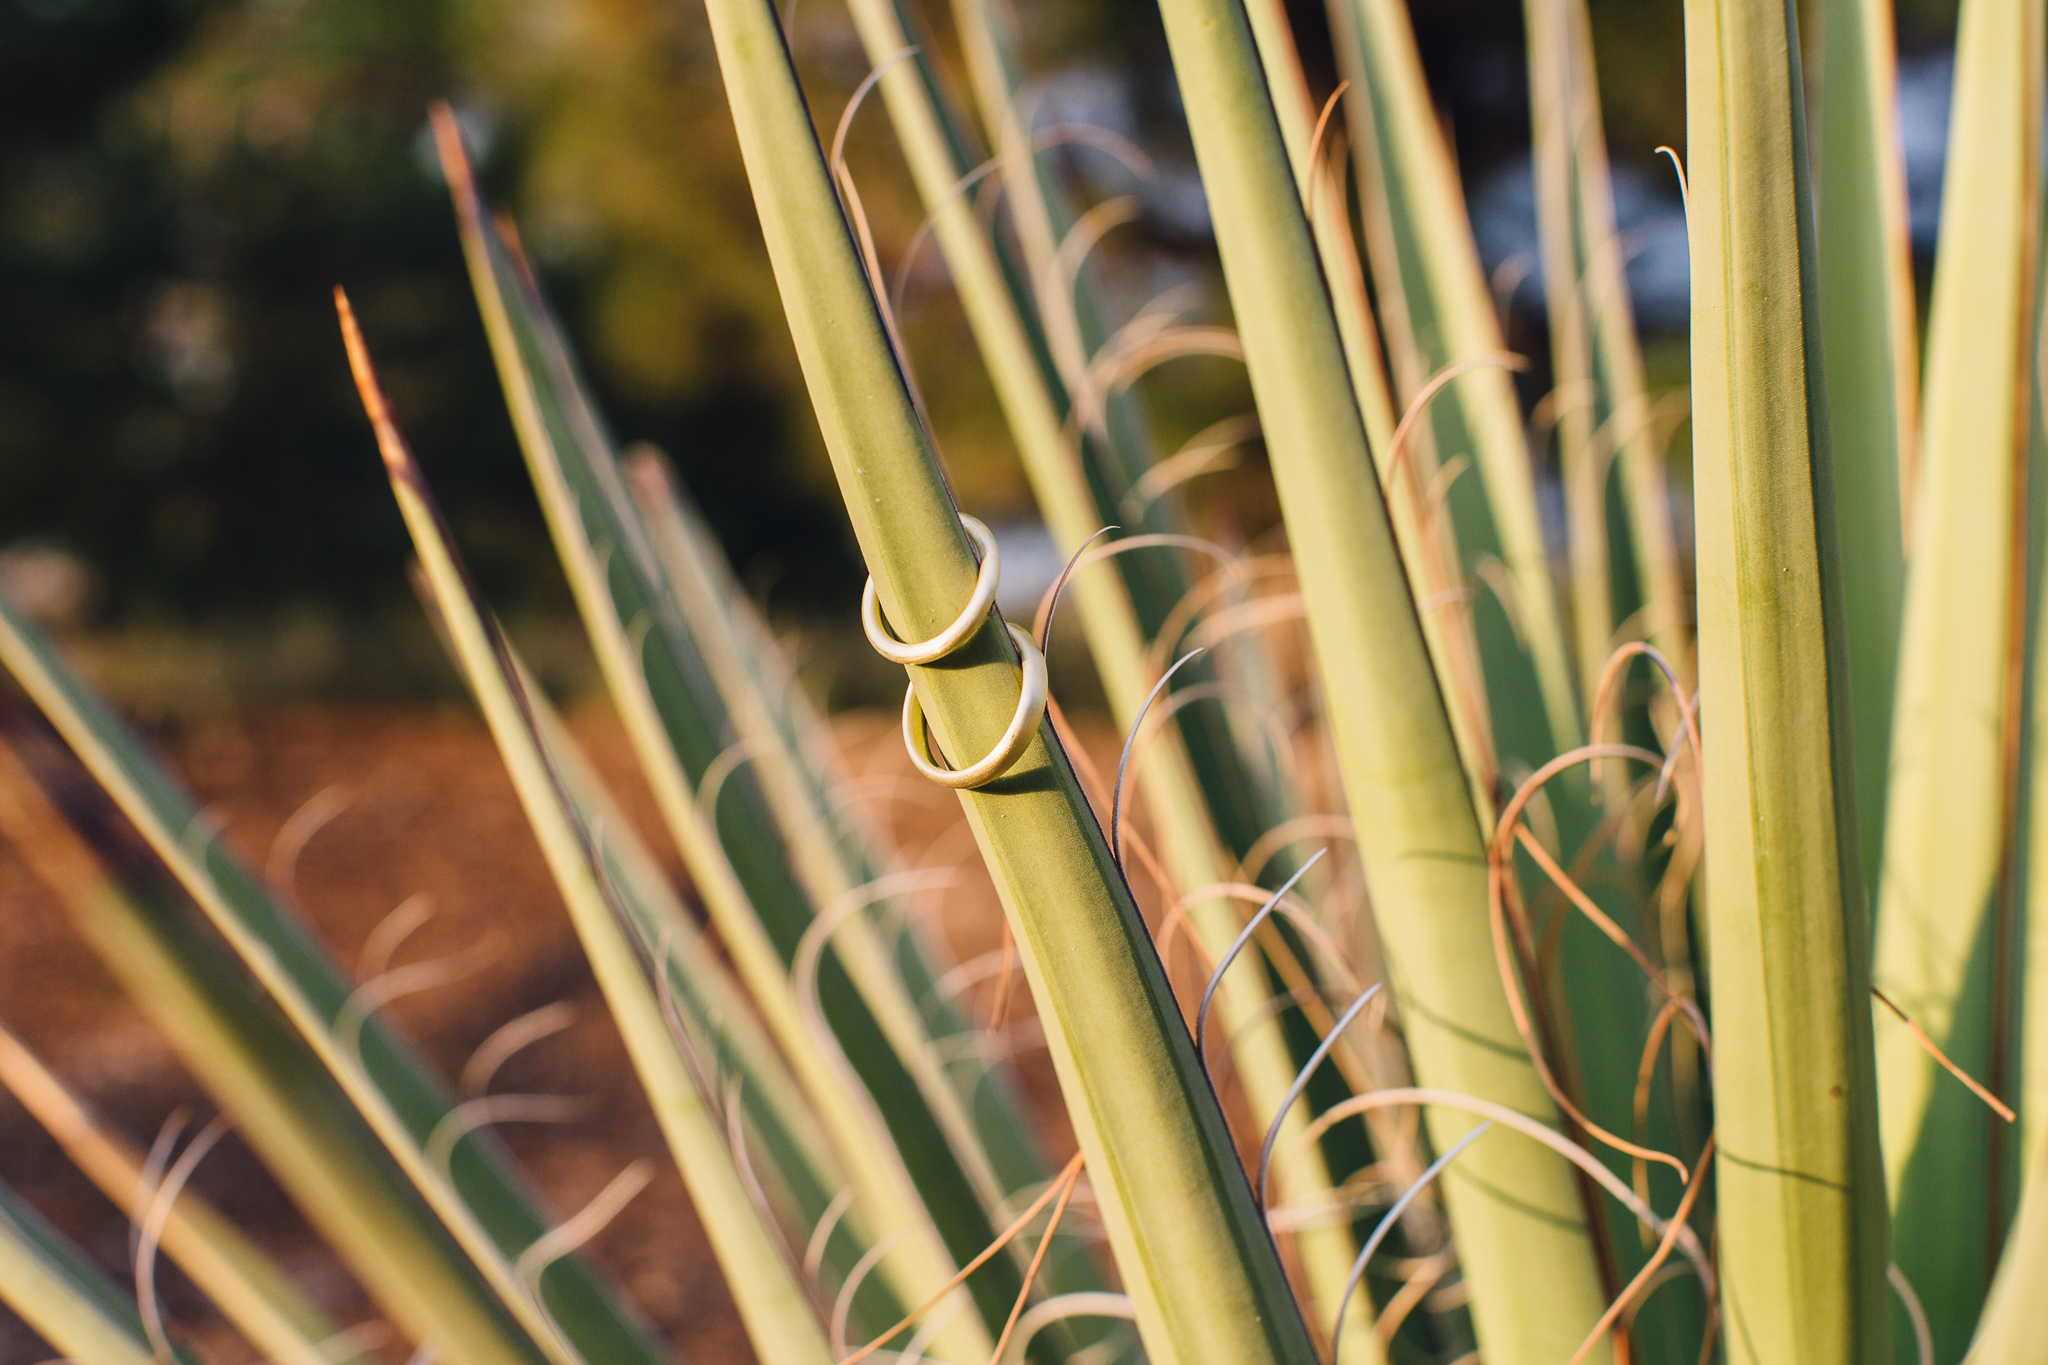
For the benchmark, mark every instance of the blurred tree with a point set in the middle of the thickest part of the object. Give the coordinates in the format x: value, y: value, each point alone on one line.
x: 182, y: 181
x: 182, y: 184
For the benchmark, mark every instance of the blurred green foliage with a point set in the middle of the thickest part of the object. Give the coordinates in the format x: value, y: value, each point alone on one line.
x: 183, y: 185
x: 182, y: 182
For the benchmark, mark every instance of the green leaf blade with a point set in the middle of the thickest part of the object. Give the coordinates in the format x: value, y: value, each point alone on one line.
x: 1419, y: 833
x: 777, y: 1312
x: 1200, y: 1270
x: 1801, y: 1204
x: 1869, y: 338
x: 1946, y: 896
x: 64, y: 1296
x: 489, y: 1210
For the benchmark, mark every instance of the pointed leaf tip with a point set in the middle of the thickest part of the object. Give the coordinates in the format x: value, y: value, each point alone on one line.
x: 453, y: 155
x: 398, y: 459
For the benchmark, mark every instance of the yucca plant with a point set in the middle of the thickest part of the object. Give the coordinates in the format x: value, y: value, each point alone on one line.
x: 1639, y: 940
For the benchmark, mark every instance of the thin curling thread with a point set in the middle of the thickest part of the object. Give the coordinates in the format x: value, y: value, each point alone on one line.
x: 1314, y: 934
x: 1148, y: 541
x: 1116, y: 796
x: 491, y: 1110
x: 1003, y: 1239
x: 319, y: 810
x: 1052, y: 1227
x: 152, y: 1176
x: 1126, y: 153
x: 1315, y: 145
x: 1209, y: 450
x: 1052, y: 599
x: 1085, y: 1303
x: 1684, y: 192
x: 1216, y: 977
x: 1301, y: 1079
x: 1998, y: 1106
x: 150, y: 1230
x: 391, y: 933
x: 1386, y: 1225
x: 508, y: 1040
x: 1417, y: 406
x: 1923, y: 1337
x: 1688, y: 1242
x: 1639, y: 1285
x: 821, y: 1235
x: 857, y: 219
x: 566, y: 1236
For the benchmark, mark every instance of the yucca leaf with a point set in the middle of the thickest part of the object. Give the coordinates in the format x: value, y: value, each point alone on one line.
x: 1227, y: 800
x: 1946, y: 891
x: 900, y: 1127
x: 1116, y: 451
x: 1871, y: 343
x: 479, y: 1200
x: 1200, y: 1269
x: 1535, y: 1286
x: 1427, y: 261
x: 1800, y: 1187
x: 283, y: 1102
x: 777, y: 1313
x: 65, y: 1297
x: 750, y: 669
x: 1426, y: 545
x: 1022, y: 371
x: 250, y: 1290
x: 1612, y: 464
x: 1035, y: 402
x: 1623, y: 568
x: 1439, y: 313
x: 2028, y: 1008
x: 2009, y: 1333
x: 1321, y: 180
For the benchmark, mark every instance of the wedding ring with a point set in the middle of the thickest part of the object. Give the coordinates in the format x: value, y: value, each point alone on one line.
x: 964, y: 625
x: 1023, y: 726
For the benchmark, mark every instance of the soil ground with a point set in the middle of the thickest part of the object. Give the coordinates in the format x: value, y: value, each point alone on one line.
x: 430, y: 810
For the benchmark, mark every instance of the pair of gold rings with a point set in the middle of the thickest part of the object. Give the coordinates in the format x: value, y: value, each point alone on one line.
x: 1031, y: 698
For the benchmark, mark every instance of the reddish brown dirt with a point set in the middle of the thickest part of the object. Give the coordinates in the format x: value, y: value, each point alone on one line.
x: 431, y: 810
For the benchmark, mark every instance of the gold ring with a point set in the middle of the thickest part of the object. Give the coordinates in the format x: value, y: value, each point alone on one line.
x: 1023, y: 726
x: 964, y: 625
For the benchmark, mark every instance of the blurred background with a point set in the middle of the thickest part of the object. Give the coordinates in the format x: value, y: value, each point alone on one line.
x: 187, y: 484
x: 190, y: 495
